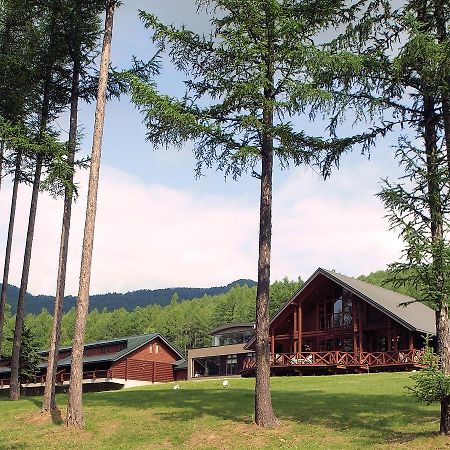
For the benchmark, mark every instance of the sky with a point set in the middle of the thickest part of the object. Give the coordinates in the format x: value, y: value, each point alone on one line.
x: 158, y: 226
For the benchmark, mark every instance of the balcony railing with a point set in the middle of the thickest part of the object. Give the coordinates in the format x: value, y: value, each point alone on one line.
x: 341, y: 359
x: 63, y: 376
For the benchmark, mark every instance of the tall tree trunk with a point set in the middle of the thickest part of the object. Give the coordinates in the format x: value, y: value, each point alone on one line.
x: 49, y: 403
x: 2, y: 148
x: 446, y: 120
x: 75, y: 416
x: 437, y: 234
x: 14, y: 389
x: 12, y: 216
x: 264, y: 415
x: 441, y: 28
x: 443, y: 344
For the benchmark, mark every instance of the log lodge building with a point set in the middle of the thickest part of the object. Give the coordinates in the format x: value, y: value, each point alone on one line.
x: 332, y: 324
x: 112, y: 364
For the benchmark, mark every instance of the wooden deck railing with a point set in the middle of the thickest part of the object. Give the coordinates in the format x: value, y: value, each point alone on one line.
x: 338, y: 359
x: 63, y: 376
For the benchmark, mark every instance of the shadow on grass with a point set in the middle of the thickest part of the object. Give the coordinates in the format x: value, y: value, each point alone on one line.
x: 373, y: 417
x: 55, y: 414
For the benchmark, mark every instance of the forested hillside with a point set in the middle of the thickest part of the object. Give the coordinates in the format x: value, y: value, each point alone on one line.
x: 184, y: 322
x: 384, y: 279
x: 112, y: 301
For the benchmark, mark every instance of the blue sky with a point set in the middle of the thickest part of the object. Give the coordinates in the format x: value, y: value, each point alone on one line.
x: 158, y: 226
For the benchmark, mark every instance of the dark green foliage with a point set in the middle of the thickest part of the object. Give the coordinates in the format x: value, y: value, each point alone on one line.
x: 128, y: 301
x: 184, y: 322
x: 430, y: 383
x: 227, y: 81
x: 29, y: 358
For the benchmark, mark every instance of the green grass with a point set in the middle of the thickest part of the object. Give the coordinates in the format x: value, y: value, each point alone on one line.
x: 333, y: 412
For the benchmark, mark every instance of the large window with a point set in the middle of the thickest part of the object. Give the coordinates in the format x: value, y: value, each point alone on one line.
x: 335, y: 310
x: 238, y: 337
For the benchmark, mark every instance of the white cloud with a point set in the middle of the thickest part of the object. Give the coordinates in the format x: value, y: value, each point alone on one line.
x: 337, y: 224
x: 153, y: 236
x: 147, y: 236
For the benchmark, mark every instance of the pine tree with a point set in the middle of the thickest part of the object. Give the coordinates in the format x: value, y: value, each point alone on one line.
x: 396, y: 74
x: 53, y: 99
x: 252, y: 72
x: 81, y: 29
x: 75, y: 415
x: 18, y: 89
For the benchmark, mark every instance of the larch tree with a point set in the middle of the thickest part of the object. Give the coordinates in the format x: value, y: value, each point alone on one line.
x: 396, y: 73
x: 246, y: 83
x: 75, y: 414
x: 81, y: 28
x: 420, y: 207
x: 53, y: 90
x: 18, y: 85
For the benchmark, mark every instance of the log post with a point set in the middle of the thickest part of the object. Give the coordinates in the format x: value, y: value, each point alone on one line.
x: 389, y: 334
x: 299, y: 327
x: 395, y: 338
x: 272, y: 344
x: 360, y: 327
x: 355, y: 328
x: 295, y: 333
x: 411, y: 340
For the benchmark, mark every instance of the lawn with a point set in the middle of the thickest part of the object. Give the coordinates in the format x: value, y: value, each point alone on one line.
x: 328, y: 412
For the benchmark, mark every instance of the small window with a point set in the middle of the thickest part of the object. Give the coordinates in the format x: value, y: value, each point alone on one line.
x: 156, y: 348
x: 150, y: 348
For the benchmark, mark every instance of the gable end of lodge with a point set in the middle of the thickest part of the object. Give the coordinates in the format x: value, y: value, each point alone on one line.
x: 332, y: 324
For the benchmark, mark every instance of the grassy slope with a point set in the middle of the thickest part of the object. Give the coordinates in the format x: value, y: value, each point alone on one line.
x: 346, y: 411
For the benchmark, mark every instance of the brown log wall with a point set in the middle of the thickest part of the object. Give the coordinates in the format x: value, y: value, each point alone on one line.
x: 142, y: 370
x: 180, y: 374
x: 163, y: 372
x: 119, y: 369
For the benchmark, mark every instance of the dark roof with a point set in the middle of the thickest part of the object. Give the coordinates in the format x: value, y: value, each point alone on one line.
x: 181, y: 364
x: 415, y: 316
x: 104, y: 342
x: 226, y: 326
x: 132, y: 343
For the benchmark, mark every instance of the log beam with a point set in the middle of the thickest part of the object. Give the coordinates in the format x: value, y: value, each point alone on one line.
x: 299, y: 327
x: 295, y: 333
x: 360, y: 327
x: 272, y: 343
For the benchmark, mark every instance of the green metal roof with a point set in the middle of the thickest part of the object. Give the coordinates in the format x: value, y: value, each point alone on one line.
x: 181, y: 364
x: 129, y: 339
x: 132, y: 343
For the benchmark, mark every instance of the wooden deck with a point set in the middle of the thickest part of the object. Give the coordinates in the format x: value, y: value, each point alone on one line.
x: 342, y: 360
x: 64, y: 377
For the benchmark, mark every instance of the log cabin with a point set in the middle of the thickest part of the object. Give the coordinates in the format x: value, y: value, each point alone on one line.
x: 115, y: 363
x: 335, y: 323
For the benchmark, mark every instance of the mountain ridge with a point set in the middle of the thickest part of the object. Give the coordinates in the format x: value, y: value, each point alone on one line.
x: 114, y: 300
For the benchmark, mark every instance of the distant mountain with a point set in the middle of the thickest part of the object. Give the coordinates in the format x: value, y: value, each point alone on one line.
x: 129, y: 300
